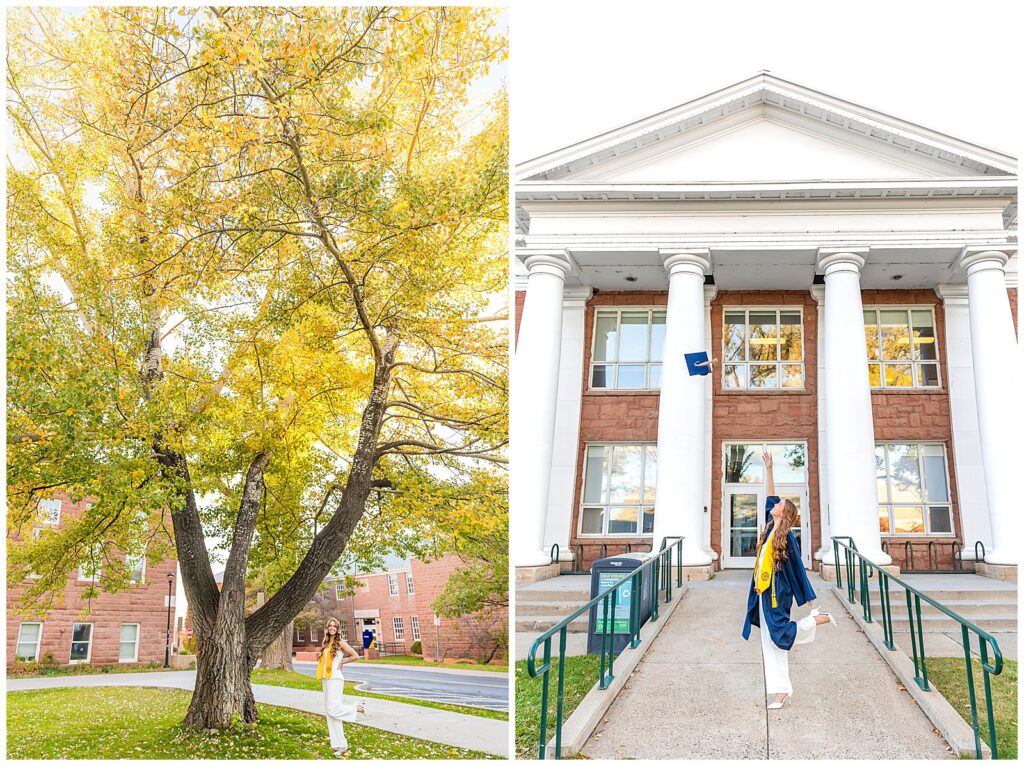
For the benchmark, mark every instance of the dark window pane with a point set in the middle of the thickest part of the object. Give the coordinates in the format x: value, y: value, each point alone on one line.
x: 928, y: 375
x: 600, y: 378
x: 648, y: 521
x: 924, y: 335
x: 939, y: 518
x: 593, y: 518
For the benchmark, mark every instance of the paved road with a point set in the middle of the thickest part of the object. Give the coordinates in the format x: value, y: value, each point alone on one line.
x: 484, y: 689
x: 469, y: 731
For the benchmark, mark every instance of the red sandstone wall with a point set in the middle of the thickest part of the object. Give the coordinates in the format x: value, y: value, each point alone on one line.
x: 520, y: 300
x: 143, y: 604
x: 769, y: 415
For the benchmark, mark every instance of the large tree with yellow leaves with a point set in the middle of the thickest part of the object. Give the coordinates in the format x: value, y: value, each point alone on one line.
x: 250, y: 255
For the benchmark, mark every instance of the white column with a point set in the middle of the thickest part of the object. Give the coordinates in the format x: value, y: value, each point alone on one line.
x: 679, y: 503
x: 710, y: 291
x: 818, y: 293
x: 567, y: 422
x: 993, y: 346
x: 534, y: 397
x: 972, y: 497
x: 850, y: 438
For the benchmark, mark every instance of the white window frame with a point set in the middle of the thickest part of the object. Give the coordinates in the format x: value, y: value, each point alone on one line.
x: 925, y: 503
x: 913, y: 363
x: 92, y: 636
x: 338, y: 588
x: 95, y: 576
x: 300, y: 635
x: 39, y: 642
x: 414, y: 622
x: 392, y: 584
x: 343, y: 628
x: 312, y: 634
x: 410, y: 589
x: 398, y: 627
x: 138, y: 640
x: 640, y: 534
x: 613, y: 367
x: 142, y: 575
x: 59, y: 503
x: 779, y: 361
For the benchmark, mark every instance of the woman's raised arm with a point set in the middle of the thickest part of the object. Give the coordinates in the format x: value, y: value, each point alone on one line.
x: 350, y: 654
x: 770, y: 475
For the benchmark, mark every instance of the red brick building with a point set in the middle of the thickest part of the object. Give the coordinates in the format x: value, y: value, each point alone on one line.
x: 125, y: 627
x: 858, y: 294
x: 396, y: 606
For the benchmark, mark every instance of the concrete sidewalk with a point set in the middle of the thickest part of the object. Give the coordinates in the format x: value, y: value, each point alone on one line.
x: 472, y: 732
x: 699, y: 692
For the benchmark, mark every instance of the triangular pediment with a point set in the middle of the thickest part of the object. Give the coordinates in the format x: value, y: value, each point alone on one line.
x: 766, y: 129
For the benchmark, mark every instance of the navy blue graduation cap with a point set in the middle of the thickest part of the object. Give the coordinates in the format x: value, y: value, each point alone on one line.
x: 692, y: 363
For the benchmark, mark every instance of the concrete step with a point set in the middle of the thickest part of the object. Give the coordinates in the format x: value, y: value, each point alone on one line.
x: 540, y: 622
x: 940, y: 623
x: 534, y: 595
x: 965, y: 608
x: 547, y: 607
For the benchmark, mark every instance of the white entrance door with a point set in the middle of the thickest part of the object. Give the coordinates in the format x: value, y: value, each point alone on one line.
x: 743, y: 520
x: 743, y: 497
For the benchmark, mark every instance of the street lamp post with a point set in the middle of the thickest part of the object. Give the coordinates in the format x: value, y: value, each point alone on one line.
x: 167, y: 643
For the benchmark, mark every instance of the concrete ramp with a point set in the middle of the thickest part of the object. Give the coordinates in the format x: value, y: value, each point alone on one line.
x: 699, y: 692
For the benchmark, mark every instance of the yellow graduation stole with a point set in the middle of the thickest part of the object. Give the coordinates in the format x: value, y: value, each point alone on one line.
x: 765, y: 577
x: 325, y: 663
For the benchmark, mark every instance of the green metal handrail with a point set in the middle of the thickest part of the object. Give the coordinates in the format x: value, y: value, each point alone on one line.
x: 866, y: 569
x: 657, y: 564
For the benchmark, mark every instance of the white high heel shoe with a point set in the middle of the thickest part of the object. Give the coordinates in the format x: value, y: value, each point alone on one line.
x: 777, y: 705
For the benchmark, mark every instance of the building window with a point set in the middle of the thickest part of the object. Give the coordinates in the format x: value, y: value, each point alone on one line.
x: 415, y: 627
x: 343, y: 628
x: 129, y: 642
x: 392, y: 585
x: 313, y: 635
x: 618, y: 490
x: 902, y: 347
x: 49, y: 512
x: 136, y: 566
x: 300, y: 636
x: 339, y: 590
x: 29, y: 636
x: 399, y: 628
x: 913, y: 489
x: 763, y: 348
x: 627, y: 349
x: 81, y: 642
x: 90, y: 568
x: 409, y: 588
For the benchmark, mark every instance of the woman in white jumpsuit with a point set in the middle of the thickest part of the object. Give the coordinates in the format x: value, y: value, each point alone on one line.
x: 335, y: 652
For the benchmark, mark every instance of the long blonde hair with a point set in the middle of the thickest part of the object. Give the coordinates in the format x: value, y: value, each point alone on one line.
x: 336, y: 641
x: 780, y: 533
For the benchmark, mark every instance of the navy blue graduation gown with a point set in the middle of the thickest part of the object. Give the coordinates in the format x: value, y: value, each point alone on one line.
x: 790, y: 583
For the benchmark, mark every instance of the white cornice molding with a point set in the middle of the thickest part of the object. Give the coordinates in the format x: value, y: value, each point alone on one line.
x: 767, y: 89
x: 950, y: 294
x: 818, y: 293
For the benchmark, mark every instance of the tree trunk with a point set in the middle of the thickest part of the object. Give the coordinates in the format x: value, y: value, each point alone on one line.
x: 278, y: 655
x: 223, y: 693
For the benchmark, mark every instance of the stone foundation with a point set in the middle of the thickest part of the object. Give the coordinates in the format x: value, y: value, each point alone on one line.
x: 698, y: 573
x: 535, y: 574
x: 1005, y: 572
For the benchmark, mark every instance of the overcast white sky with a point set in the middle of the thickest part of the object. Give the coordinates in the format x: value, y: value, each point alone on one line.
x: 578, y: 69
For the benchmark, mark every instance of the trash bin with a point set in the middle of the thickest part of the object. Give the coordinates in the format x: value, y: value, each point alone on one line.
x: 603, y: 573
x: 367, y: 638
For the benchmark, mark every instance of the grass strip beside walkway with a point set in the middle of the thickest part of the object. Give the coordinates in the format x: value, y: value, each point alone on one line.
x: 580, y: 677
x: 417, y: 662
x: 36, y: 670
x: 140, y: 723
x: 293, y: 680
x: 949, y: 676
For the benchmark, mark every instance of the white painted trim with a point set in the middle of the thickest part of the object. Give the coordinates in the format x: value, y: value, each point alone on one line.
x: 39, y: 640
x: 138, y: 640
x: 92, y: 639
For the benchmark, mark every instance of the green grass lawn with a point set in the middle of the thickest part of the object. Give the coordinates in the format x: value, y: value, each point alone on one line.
x: 405, y: 660
x: 300, y: 681
x: 949, y: 676
x: 134, y: 723
x: 580, y: 676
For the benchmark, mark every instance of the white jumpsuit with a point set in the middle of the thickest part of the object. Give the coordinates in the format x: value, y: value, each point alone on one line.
x: 776, y: 660
x: 336, y: 707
